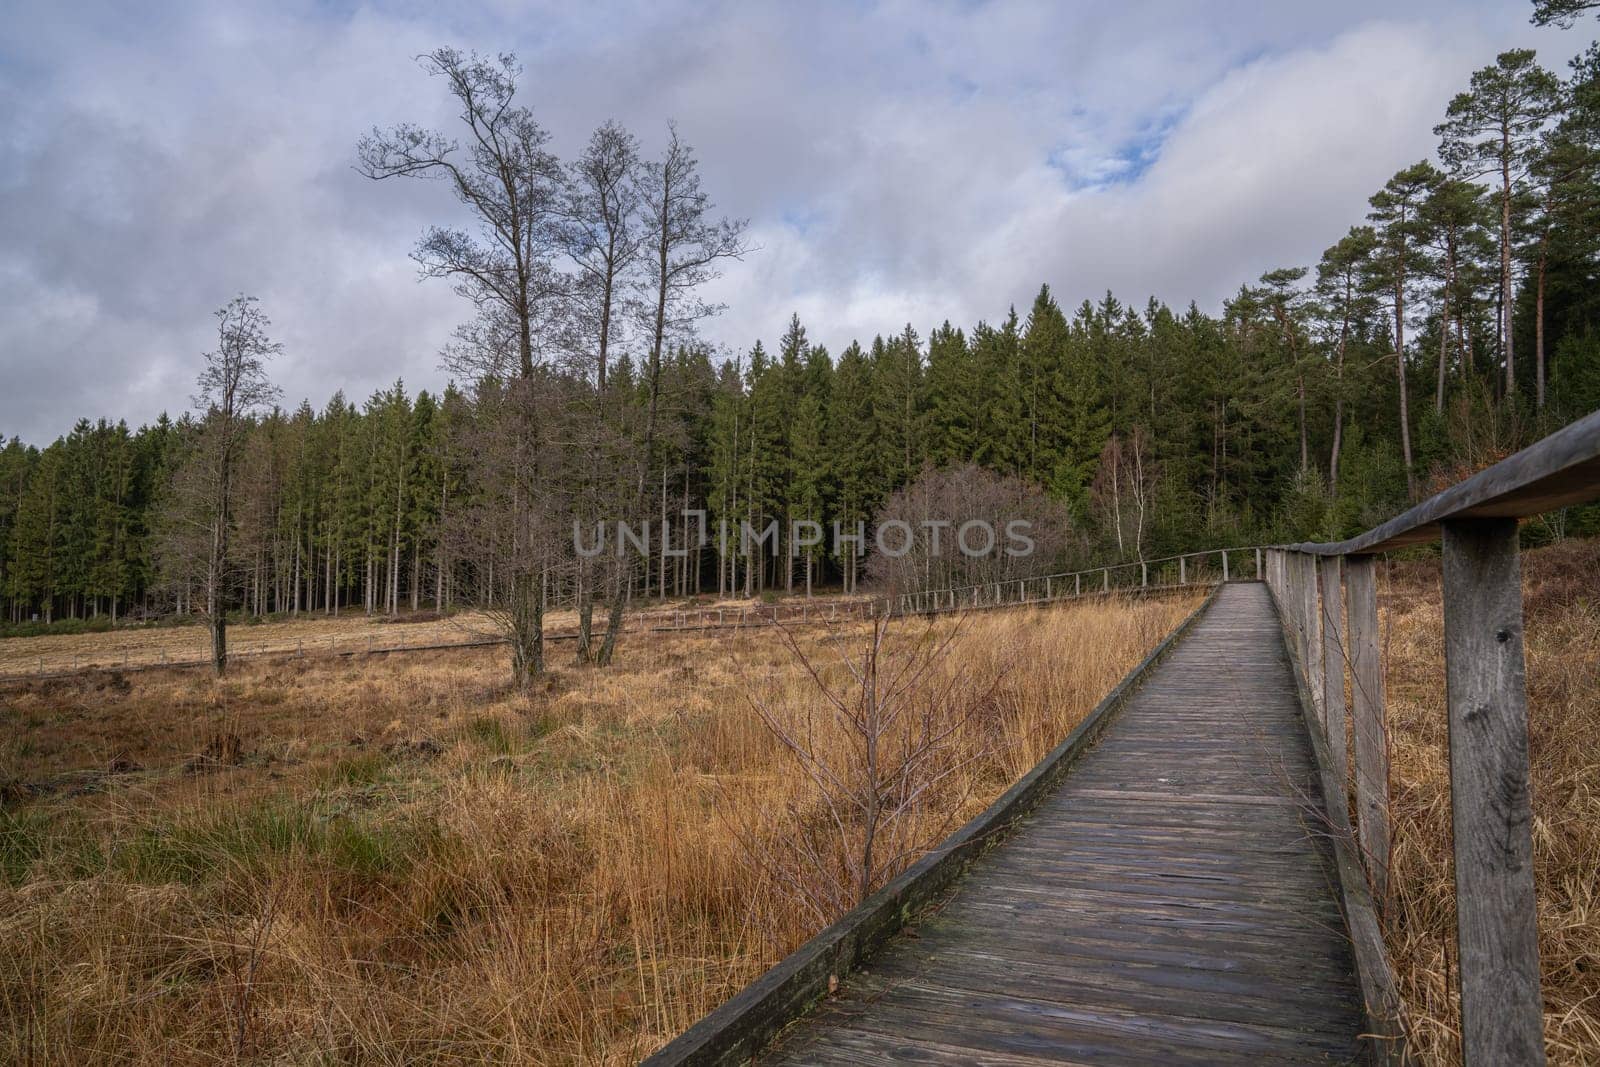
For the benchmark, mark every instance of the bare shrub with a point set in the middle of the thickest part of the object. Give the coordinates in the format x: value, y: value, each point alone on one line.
x: 893, y: 723
x: 939, y: 503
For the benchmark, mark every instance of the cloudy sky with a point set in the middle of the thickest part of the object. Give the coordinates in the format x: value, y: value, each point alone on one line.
x: 897, y: 161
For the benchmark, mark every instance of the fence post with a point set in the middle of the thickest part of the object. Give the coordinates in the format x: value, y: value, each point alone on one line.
x: 1077, y: 585
x: 1368, y: 722
x: 1144, y: 573
x: 1258, y: 564
x: 1183, y: 570
x: 1313, y: 660
x: 1329, y: 573
x: 1224, y: 564
x: 1106, y: 580
x: 1486, y: 690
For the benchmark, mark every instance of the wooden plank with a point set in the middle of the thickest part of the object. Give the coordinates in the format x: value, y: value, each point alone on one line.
x: 1369, y: 724
x: 1555, y: 472
x: 993, y: 1022
x: 1172, y: 901
x: 1496, y: 931
x: 1331, y: 596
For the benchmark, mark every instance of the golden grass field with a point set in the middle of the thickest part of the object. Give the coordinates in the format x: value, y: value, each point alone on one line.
x: 313, y: 633
x: 397, y: 860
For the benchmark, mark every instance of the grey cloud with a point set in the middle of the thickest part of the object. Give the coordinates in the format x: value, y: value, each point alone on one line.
x: 899, y: 161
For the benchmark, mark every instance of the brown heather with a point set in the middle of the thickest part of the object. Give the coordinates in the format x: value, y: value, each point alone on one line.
x: 395, y: 860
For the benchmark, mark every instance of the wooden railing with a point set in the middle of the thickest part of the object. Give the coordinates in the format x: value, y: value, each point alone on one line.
x: 1203, y: 567
x: 1327, y: 594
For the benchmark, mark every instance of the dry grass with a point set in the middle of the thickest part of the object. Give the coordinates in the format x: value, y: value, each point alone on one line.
x: 311, y: 633
x: 1562, y: 604
x: 397, y: 860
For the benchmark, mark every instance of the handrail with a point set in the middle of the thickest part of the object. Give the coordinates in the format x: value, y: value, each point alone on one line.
x: 1558, y: 471
x: 1327, y: 598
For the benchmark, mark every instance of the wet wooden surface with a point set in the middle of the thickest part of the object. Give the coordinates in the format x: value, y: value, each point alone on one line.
x: 1174, y: 901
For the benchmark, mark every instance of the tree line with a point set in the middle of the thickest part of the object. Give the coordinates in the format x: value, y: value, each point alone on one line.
x: 1453, y: 324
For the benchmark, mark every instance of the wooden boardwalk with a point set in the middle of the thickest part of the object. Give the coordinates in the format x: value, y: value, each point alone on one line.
x: 1173, y: 901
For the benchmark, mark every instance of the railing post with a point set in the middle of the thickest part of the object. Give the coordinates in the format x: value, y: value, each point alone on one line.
x: 1183, y: 570
x: 1311, y: 639
x: 1224, y: 564
x: 1105, y: 583
x: 1144, y: 574
x: 1258, y: 564
x: 1497, y: 937
x: 1368, y: 722
x: 1077, y: 585
x: 1333, y: 655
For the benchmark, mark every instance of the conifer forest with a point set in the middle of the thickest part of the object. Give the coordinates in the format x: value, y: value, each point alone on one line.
x: 1453, y: 323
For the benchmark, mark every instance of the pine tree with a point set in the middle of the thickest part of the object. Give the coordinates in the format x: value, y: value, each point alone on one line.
x: 1494, y: 129
x: 1398, y: 259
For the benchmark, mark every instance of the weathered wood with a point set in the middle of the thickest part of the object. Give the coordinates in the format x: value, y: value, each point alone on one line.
x: 1170, y: 902
x: 1496, y: 932
x: 1558, y: 471
x: 1307, y: 625
x: 1331, y: 590
x: 1380, y: 993
x: 1369, y: 723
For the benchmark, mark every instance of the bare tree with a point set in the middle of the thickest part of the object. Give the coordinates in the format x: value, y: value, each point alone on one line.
x: 953, y: 526
x: 602, y: 235
x: 601, y: 232
x: 513, y: 186
x: 683, y: 246
x: 1124, y: 488
x: 504, y: 176
x: 875, y: 748
x: 200, y: 516
x: 512, y: 528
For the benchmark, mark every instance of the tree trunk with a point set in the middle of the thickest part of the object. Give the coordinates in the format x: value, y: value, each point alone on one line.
x: 585, y: 610
x: 1400, y: 371
x: 527, y: 629
x: 1444, y: 353
x: 1538, y: 330
x: 1338, y: 396
x: 619, y: 595
x: 1505, y: 265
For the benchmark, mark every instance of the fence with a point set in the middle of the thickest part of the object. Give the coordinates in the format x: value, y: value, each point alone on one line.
x: 1327, y: 595
x: 1171, y: 573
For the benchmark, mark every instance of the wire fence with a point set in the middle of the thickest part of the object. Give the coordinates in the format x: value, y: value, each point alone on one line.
x: 1140, y: 577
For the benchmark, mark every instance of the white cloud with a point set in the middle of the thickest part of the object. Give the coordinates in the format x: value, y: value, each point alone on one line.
x: 899, y: 162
